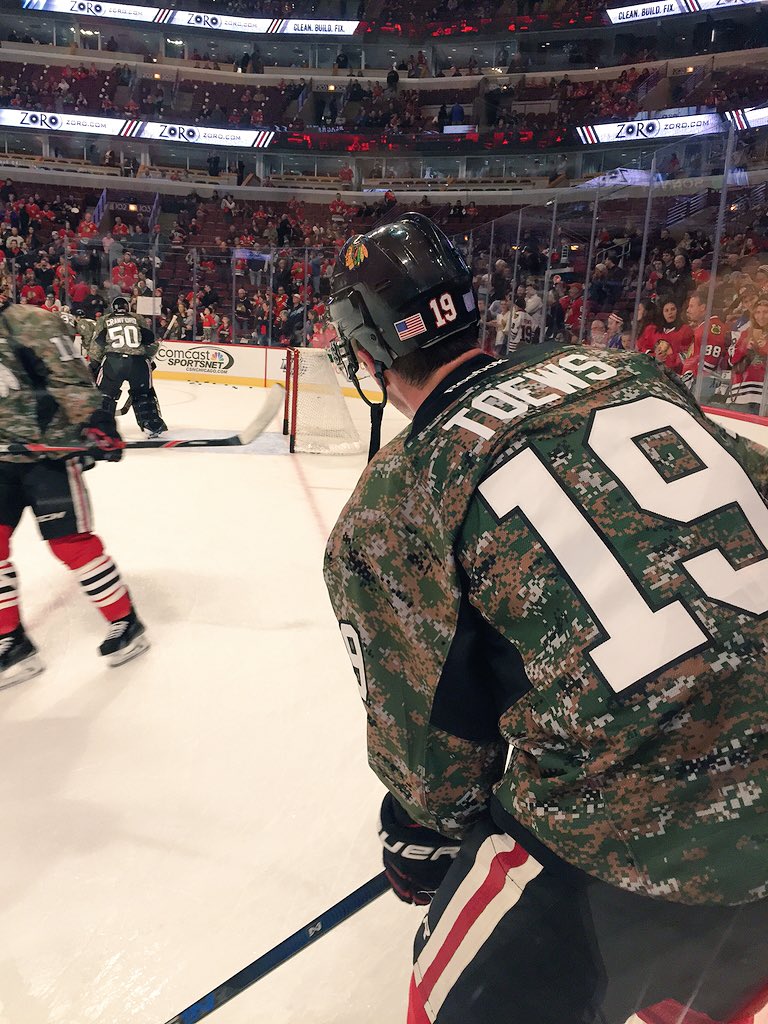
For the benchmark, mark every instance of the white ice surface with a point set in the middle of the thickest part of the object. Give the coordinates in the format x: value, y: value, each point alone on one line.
x: 166, y: 822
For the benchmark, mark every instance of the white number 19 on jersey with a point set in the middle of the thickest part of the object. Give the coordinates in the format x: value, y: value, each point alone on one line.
x: 640, y: 642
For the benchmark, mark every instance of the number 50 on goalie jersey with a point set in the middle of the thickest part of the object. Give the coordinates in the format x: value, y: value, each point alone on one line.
x: 554, y: 591
x: 122, y: 334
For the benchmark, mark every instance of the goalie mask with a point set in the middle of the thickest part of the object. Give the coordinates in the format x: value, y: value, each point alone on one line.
x: 401, y: 287
x: 120, y: 305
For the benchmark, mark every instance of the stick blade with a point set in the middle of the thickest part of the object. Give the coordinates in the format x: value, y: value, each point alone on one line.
x: 273, y: 404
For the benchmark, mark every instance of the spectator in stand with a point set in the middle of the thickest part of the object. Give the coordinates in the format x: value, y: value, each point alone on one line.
x: 119, y: 229
x: 228, y: 208
x: 677, y: 282
x: 699, y: 275
x: 598, y: 335
x: 572, y: 305
x: 31, y: 291
x: 715, y: 350
x: 78, y: 293
x: 502, y: 324
x: 338, y: 210
x: 209, y: 323
x: 64, y: 278
x: 647, y: 325
x: 748, y: 359
x: 224, y: 331
x: 93, y: 304
x: 533, y: 301
x: 457, y: 113
x: 615, y: 327
x: 87, y: 229
x: 672, y: 337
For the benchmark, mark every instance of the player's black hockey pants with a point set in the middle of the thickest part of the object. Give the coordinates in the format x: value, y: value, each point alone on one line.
x: 508, y: 941
x: 136, y: 371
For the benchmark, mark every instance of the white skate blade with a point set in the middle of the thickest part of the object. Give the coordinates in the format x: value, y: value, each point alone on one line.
x: 139, y: 645
x: 21, y: 672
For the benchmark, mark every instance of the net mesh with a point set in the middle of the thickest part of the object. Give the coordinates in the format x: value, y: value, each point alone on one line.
x: 323, y: 422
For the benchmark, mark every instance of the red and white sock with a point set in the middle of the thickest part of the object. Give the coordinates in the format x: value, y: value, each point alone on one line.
x: 97, y: 573
x: 9, y: 588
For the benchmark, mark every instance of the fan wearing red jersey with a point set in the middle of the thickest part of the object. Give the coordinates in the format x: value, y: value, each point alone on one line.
x: 715, y: 348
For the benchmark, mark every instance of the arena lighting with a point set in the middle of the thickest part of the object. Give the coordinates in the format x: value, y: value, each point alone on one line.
x: 194, y: 19
x: 132, y: 128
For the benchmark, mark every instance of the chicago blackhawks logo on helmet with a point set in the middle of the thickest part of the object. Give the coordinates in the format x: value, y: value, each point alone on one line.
x: 355, y: 254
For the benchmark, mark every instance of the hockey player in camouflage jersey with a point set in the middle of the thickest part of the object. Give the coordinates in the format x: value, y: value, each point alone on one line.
x: 553, y: 590
x: 121, y: 351
x: 85, y: 328
x: 47, y: 397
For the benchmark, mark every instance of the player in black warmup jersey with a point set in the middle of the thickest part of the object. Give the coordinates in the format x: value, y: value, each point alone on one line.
x: 121, y: 351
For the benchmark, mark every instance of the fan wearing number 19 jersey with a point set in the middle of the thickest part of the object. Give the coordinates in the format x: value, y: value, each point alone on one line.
x: 553, y: 588
x: 121, y: 352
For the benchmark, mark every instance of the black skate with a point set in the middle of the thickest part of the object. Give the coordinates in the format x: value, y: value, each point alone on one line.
x: 156, y: 431
x: 19, y: 659
x: 126, y: 639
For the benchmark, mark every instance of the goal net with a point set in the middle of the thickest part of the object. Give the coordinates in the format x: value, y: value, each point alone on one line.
x: 316, y: 415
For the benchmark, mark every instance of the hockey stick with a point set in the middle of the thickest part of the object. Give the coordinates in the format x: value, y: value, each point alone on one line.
x: 283, y: 951
x: 267, y: 413
x: 125, y: 406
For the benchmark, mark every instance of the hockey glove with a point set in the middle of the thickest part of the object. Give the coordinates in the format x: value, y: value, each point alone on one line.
x: 102, y: 433
x: 416, y: 859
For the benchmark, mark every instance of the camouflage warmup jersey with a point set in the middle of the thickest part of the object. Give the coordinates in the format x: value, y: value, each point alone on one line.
x: 553, y: 589
x: 85, y: 328
x: 123, y: 334
x: 46, y: 391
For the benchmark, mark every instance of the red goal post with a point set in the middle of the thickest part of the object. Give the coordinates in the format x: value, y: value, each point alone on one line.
x: 315, y: 417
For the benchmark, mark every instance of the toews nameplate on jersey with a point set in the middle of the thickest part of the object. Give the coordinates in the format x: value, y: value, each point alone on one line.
x: 588, y: 531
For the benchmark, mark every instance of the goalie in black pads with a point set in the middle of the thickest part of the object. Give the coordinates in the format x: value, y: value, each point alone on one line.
x: 121, y: 351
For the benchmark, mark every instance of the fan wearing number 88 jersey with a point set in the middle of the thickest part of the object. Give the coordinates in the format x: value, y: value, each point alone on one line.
x: 121, y: 352
x: 553, y: 588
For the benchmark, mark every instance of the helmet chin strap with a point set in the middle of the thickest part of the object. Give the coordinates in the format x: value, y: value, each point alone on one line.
x: 377, y: 408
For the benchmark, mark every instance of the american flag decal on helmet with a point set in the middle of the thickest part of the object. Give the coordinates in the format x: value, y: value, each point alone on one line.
x: 410, y: 327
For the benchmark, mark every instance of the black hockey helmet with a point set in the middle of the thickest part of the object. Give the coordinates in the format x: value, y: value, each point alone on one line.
x: 120, y: 304
x: 401, y: 287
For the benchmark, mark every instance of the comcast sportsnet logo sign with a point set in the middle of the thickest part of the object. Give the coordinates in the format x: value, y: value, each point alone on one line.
x: 194, y: 360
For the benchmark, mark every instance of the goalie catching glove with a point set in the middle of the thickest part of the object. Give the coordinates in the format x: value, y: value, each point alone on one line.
x: 416, y: 859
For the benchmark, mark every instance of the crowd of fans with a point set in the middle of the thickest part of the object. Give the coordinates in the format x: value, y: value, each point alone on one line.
x: 259, y: 273
x: 359, y: 104
x: 679, y: 308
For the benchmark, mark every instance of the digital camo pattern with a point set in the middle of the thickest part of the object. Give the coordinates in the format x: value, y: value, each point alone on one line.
x: 661, y: 792
x: 46, y: 391
x: 124, y: 335
x: 84, y: 332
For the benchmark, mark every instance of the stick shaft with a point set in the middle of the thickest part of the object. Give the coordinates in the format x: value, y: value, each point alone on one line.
x: 283, y: 951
